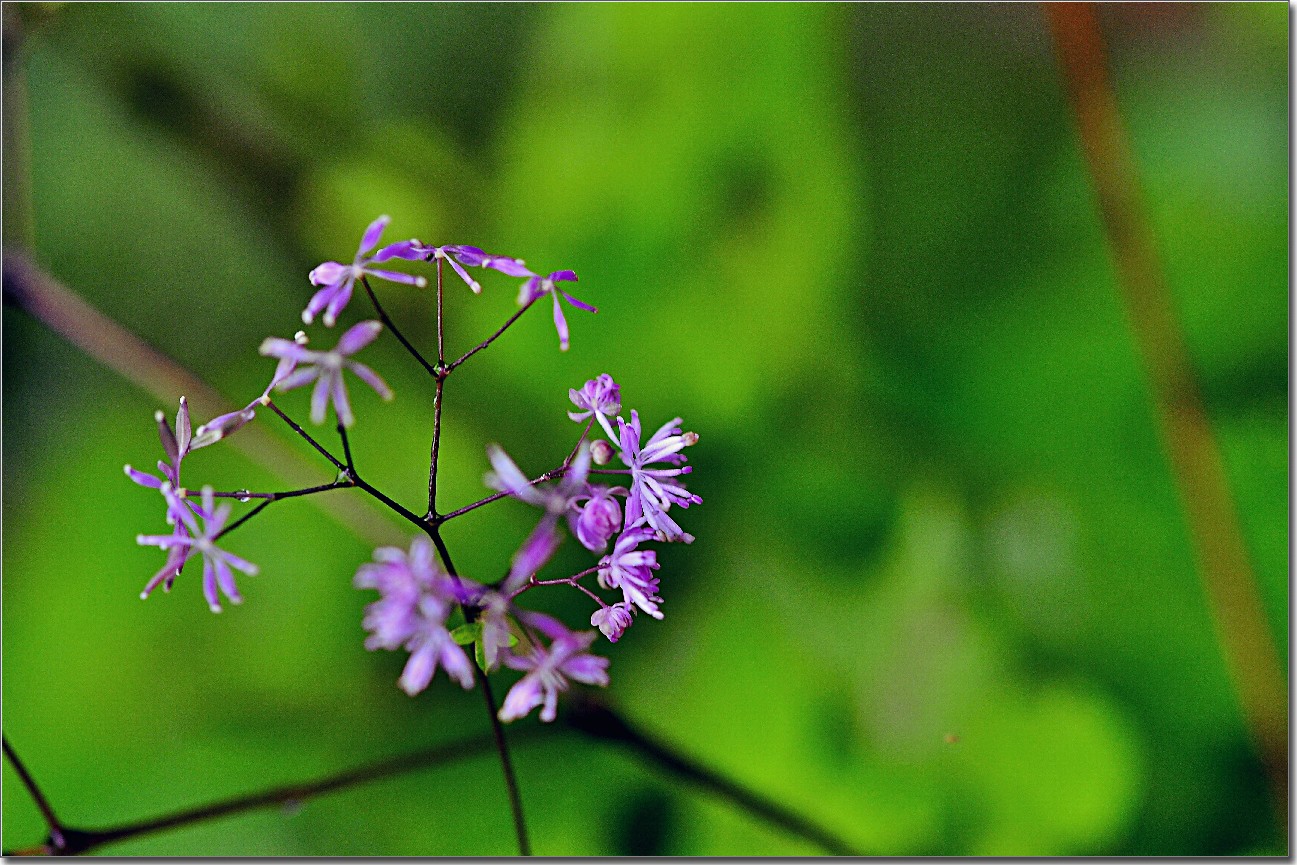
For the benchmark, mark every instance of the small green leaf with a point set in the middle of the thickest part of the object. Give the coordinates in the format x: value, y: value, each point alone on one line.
x: 467, y: 633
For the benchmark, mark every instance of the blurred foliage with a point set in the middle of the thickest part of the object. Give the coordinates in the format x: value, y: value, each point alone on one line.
x: 942, y: 597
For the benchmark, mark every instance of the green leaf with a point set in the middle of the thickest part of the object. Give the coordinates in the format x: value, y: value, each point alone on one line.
x: 470, y: 632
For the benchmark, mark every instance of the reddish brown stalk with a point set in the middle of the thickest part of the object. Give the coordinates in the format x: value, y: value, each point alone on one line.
x: 1228, y: 581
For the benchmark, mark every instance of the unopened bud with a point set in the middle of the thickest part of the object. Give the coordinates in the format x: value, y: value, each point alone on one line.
x: 601, y: 452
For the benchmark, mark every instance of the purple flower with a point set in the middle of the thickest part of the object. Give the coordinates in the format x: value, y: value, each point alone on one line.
x: 221, y: 426
x: 548, y: 670
x: 325, y: 369
x: 399, y: 578
x: 600, y: 397
x: 613, y: 621
x: 495, y: 636
x: 199, y: 538
x: 175, y: 444
x: 338, y: 279
x: 416, y: 597
x: 631, y: 570
x: 287, y: 363
x: 472, y: 256
x: 555, y: 500
x: 431, y: 646
x: 598, y: 519
x: 652, y: 491
x: 534, y: 288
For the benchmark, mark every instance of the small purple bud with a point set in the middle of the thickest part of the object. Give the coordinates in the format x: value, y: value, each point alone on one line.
x: 601, y: 452
x: 598, y: 520
x: 613, y: 621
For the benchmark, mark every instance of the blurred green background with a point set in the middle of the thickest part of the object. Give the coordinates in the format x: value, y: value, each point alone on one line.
x: 942, y: 597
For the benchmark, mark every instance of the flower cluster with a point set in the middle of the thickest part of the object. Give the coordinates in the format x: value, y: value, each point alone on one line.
x: 441, y: 619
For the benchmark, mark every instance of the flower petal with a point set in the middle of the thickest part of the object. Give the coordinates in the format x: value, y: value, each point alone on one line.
x: 579, y: 304
x: 560, y: 324
x: 358, y: 336
x: 330, y: 273
x: 397, y: 276
x: 371, y: 378
x: 305, y: 375
x: 341, y: 405
x: 320, y: 397
x: 409, y: 250
x: 372, y: 235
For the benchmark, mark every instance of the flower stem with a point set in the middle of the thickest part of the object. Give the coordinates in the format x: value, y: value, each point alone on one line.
x: 383, y: 316
x: 493, y: 337
x: 273, y: 497
x: 550, y: 475
x: 83, y: 841
x: 590, y: 716
x: 346, y: 445
x: 57, y: 839
x: 440, y: 374
x: 506, y: 764
x: 292, y: 424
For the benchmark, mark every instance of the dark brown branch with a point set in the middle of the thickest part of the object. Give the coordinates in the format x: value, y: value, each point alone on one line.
x: 383, y: 316
x: 590, y: 716
x: 1233, y: 598
x: 58, y: 835
x: 69, y: 316
x: 506, y: 764
x: 85, y: 840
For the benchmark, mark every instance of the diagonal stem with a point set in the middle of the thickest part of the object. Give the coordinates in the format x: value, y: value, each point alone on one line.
x: 293, y: 425
x: 269, y: 498
x: 506, y: 764
x: 493, y: 337
x: 1233, y: 598
x: 57, y: 836
x: 83, y: 841
x: 346, y: 446
x: 493, y: 712
x: 591, y: 717
x: 387, y: 321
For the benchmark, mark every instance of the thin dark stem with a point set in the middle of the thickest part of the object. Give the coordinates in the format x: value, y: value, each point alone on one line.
x: 57, y: 838
x: 577, y: 447
x: 569, y: 580
x: 493, y: 337
x: 404, y: 512
x: 275, y: 496
x: 435, y: 454
x: 593, y: 718
x: 346, y: 445
x: 506, y: 764
x: 383, y: 316
x: 292, y: 424
x: 441, y: 372
x: 269, y: 498
x: 356, y: 480
x: 495, y: 497
x: 600, y: 601
x: 497, y: 729
x: 441, y: 338
x: 82, y: 841
x: 243, y: 519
